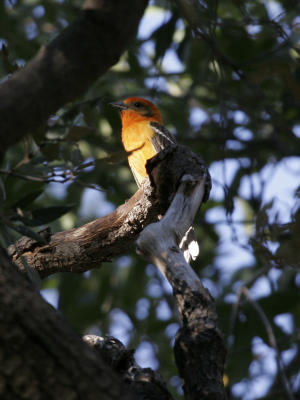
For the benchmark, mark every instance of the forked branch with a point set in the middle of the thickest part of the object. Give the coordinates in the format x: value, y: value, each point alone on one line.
x: 199, y: 347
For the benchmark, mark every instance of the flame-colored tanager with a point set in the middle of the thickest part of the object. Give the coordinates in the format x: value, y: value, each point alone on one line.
x: 143, y: 136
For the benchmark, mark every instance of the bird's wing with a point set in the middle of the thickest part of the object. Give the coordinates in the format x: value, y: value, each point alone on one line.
x: 161, y: 138
x: 189, y: 245
x: 137, y: 179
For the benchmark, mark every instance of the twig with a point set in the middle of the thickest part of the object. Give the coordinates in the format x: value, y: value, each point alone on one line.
x: 63, y: 177
x: 236, y: 305
x: 244, y: 291
x: 272, y: 341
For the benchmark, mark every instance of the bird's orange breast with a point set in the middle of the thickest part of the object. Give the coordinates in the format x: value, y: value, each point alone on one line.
x: 136, y: 140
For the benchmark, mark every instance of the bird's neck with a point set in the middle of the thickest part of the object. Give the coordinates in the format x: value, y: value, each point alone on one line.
x: 131, y: 117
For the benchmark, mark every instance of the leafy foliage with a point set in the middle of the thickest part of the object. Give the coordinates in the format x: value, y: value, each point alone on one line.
x: 226, y: 76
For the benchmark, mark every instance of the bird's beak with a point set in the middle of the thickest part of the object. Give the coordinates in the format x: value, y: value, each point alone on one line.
x: 119, y: 106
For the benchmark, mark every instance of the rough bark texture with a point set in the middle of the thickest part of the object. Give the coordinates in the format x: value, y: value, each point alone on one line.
x: 144, y: 382
x: 65, y: 68
x: 199, y: 347
x: 41, y: 357
x: 83, y: 248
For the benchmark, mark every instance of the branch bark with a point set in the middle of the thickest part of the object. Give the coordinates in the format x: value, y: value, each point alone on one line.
x: 199, y: 347
x: 41, y: 357
x: 81, y: 249
x: 144, y: 382
x: 65, y: 68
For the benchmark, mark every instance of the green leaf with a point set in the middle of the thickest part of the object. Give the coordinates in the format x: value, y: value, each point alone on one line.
x: 78, y: 132
x: 262, y: 219
x: 184, y: 46
x: 2, y: 191
x: 42, y: 216
x: 76, y: 156
x: 16, y: 188
x: 113, y: 158
x: 51, y: 151
x: 163, y: 37
x: 9, y: 67
x: 134, y: 61
x: 25, y: 231
x: 26, y: 200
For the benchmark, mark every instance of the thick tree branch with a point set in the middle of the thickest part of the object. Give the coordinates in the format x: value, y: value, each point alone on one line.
x: 83, y: 248
x: 199, y: 347
x: 65, y: 68
x: 41, y: 357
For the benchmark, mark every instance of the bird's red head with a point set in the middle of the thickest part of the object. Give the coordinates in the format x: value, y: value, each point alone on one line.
x: 137, y: 109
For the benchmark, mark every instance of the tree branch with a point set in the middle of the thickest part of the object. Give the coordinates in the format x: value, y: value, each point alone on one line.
x: 272, y: 339
x: 65, y: 68
x: 42, y: 357
x: 83, y: 248
x: 199, y: 347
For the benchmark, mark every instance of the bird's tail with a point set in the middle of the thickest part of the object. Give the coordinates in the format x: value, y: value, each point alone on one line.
x: 189, y: 245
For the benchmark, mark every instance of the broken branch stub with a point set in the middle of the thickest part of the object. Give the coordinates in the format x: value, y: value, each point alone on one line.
x: 143, y: 382
x: 167, y: 168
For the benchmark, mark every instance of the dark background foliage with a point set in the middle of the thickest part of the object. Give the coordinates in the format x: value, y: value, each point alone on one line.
x: 226, y: 76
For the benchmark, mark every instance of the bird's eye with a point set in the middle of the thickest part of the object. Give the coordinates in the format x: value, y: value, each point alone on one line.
x: 138, y: 104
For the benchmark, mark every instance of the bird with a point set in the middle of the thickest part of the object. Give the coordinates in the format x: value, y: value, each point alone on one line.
x: 143, y: 136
